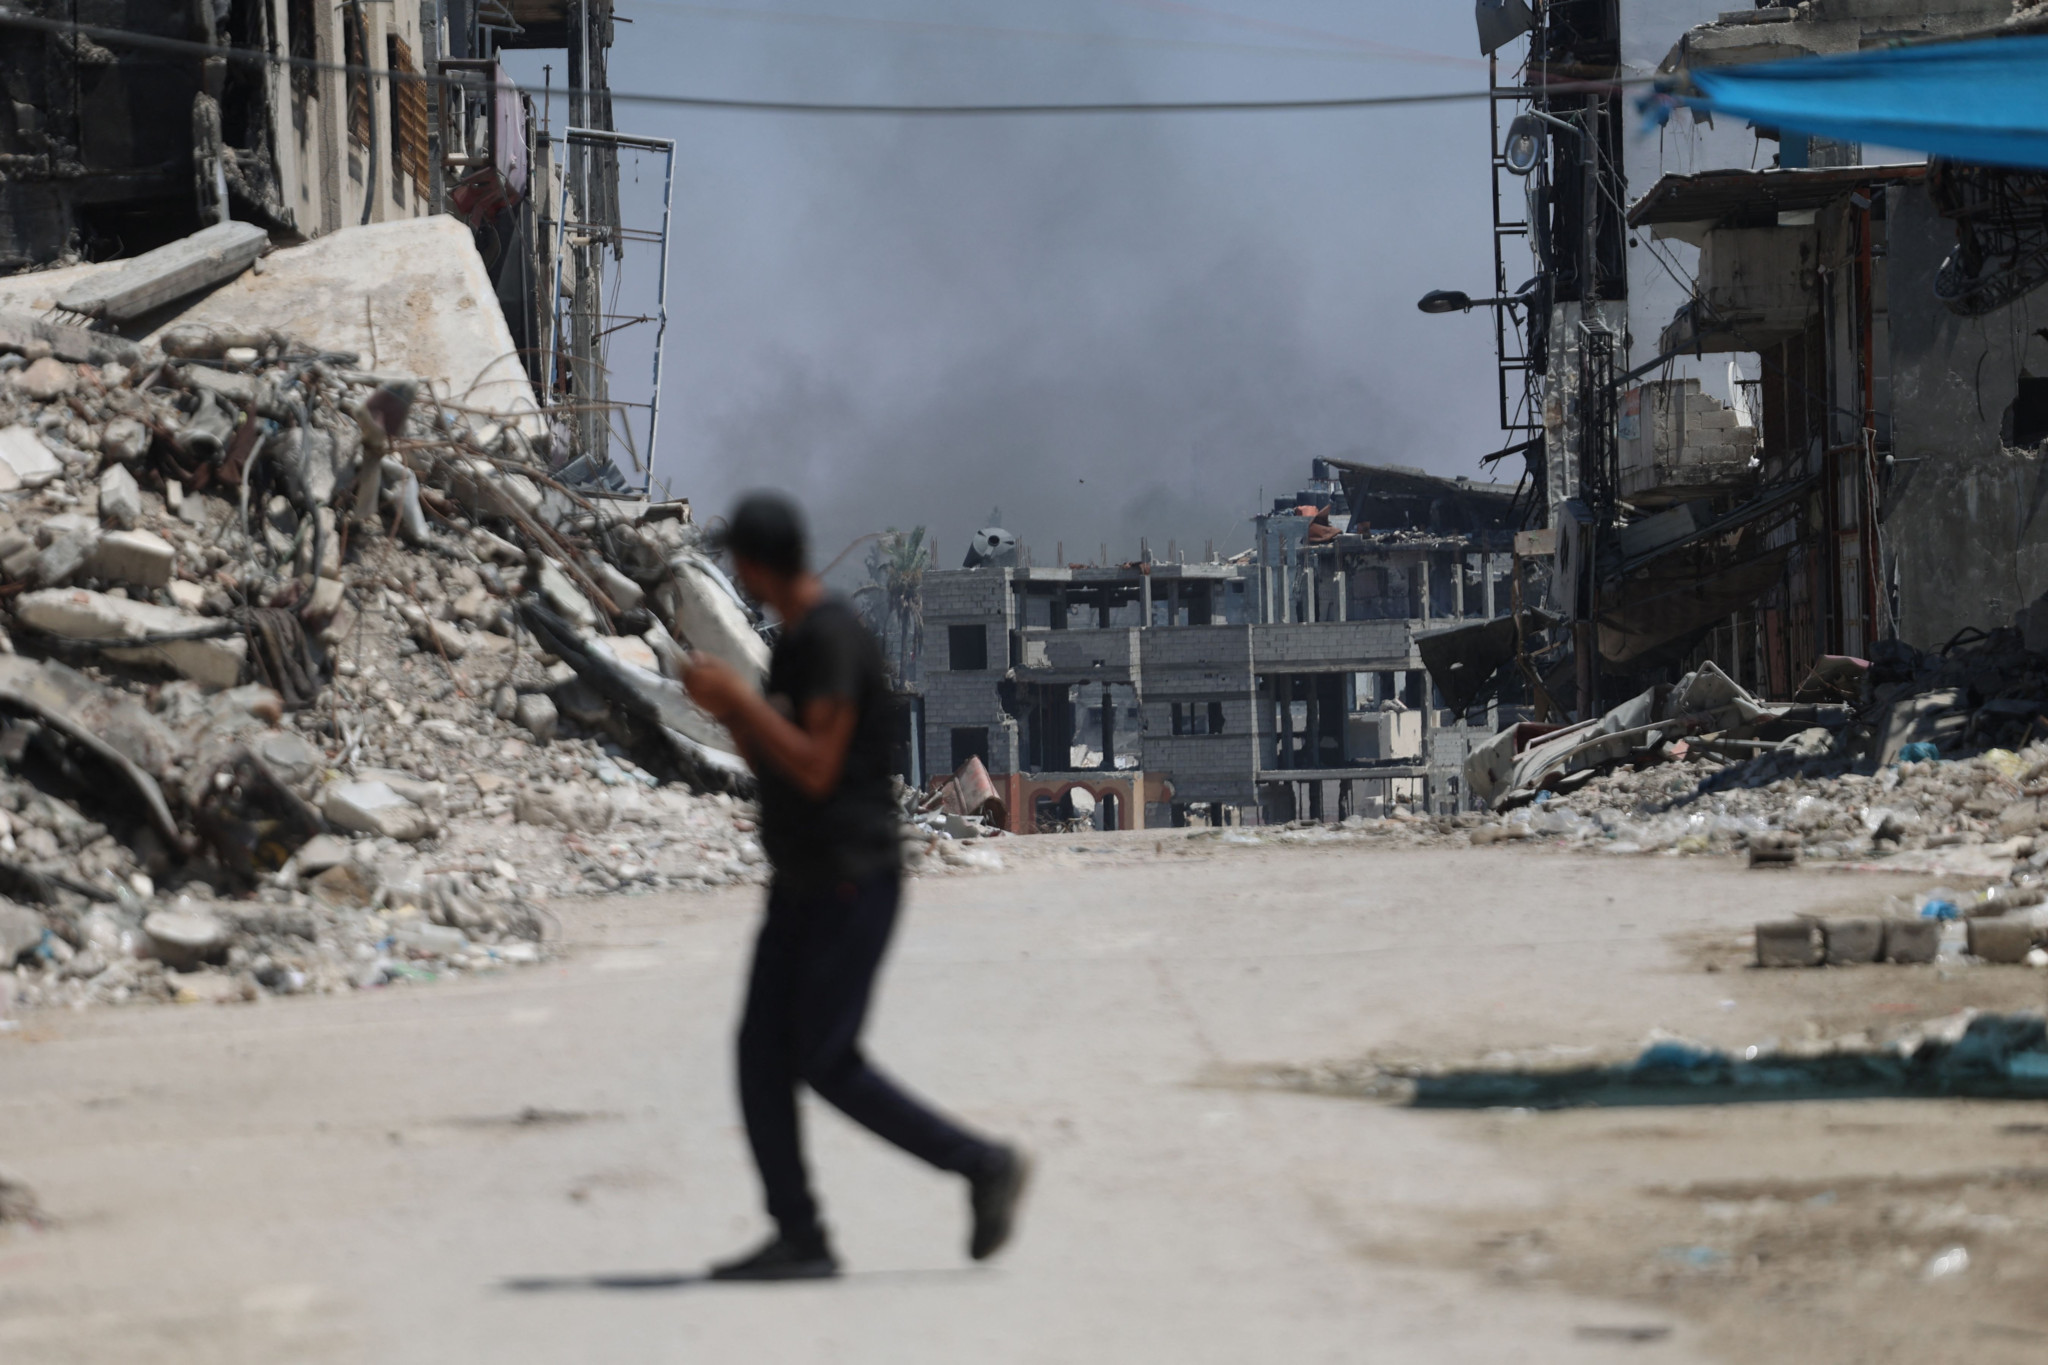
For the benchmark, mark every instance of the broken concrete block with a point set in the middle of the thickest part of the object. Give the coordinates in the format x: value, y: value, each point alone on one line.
x: 630, y: 650
x: 64, y: 524
x: 321, y: 852
x: 17, y: 554
x: 20, y: 930
x: 25, y: 462
x: 124, y: 439
x: 321, y: 603
x: 47, y: 379
x: 570, y: 808
x: 1773, y: 848
x: 293, y: 758
x: 2026, y: 816
x: 374, y: 808
x: 142, y: 558
x: 535, y: 712
x: 212, y: 988
x: 144, y: 283
x: 703, y: 613
x: 187, y: 595
x: 184, y: 938
x: 1912, y: 940
x: 342, y: 885
x: 75, y: 614
x: 64, y: 558
x: 120, y: 498
x: 561, y: 594
x: 2001, y: 940
x: 1788, y: 943
x: 496, y: 548
x: 624, y: 592
x: 1857, y: 939
x: 431, y: 797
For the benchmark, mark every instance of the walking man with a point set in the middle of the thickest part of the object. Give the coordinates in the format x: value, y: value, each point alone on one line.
x: 818, y: 743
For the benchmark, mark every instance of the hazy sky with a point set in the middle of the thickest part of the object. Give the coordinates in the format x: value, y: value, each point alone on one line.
x: 1107, y: 327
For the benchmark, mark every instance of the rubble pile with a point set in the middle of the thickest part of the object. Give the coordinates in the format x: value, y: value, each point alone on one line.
x: 1907, y: 752
x: 316, y: 678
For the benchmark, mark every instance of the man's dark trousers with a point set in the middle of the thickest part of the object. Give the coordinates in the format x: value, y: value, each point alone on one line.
x: 814, y: 969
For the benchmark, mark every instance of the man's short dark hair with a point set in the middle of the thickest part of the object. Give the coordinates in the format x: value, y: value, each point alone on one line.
x: 767, y: 530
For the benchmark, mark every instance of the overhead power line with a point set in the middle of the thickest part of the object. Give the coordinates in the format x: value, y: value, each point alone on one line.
x: 250, y: 57
x: 1347, y: 50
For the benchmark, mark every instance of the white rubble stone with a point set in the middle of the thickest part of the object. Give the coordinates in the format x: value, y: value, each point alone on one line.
x: 20, y: 930
x: 51, y: 529
x: 321, y: 852
x: 187, y: 595
x: 535, y: 712
x: 630, y: 650
x: 124, y: 439
x: 76, y: 614
x: 374, y: 808
x: 564, y: 807
x: 562, y: 595
x: 120, y: 497
x: 46, y: 379
x: 624, y: 592
x: 142, y: 558
x: 322, y: 602
x: 185, y: 936
x: 65, y: 557
x: 25, y: 462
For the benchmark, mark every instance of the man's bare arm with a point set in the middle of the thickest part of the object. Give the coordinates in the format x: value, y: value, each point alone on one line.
x: 810, y: 751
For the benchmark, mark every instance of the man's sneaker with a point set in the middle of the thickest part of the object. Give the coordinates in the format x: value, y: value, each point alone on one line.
x: 994, y: 1196
x: 782, y: 1259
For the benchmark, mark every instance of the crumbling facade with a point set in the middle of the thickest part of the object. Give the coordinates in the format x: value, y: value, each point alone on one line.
x: 1283, y: 683
x: 305, y: 118
x: 1876, y: 482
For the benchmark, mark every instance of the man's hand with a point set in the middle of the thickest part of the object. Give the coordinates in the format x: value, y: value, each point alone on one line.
x: 716, y: 686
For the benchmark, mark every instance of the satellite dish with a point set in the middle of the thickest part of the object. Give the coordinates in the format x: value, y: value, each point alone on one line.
x: 991, y: 545
x: 1501, y: 22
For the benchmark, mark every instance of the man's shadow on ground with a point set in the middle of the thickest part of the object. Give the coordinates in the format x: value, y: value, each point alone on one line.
x: 643, y: 1281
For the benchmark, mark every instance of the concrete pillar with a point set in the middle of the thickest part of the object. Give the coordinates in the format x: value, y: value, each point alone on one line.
x: 1422, y: 586
x: 1343, y: 591
x: 1108, y: 731
x: 1145, y: 593
x: 1486, y: 580
x: 1283, y: 690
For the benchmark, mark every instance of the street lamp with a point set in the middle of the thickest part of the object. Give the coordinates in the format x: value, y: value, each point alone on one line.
x: 1522, y: 151
x: 1457, y: 301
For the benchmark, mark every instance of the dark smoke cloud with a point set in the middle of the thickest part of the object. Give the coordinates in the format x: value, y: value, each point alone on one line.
x: 1106, y: 328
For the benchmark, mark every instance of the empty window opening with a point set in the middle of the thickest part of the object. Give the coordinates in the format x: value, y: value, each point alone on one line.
x: 2026, y: 421
x: 969, y: 741
x: 966, y: 648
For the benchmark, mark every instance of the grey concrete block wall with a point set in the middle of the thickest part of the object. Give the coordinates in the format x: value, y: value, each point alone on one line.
x: 1360, y: 646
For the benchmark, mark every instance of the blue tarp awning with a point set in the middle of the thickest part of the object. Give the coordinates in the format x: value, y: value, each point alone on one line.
x: 1984, y: 101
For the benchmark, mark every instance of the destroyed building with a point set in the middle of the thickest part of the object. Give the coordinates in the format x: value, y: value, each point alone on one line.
x: 1285, y: 682
x: 1877, y: 482
x: 153, y: 121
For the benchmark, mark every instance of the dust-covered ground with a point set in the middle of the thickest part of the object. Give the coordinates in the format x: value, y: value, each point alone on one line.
x: 531, y: 1166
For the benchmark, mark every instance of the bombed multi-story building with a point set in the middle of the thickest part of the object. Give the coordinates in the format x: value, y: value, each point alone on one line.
x: 133, y: 124
x: 1283, y: 682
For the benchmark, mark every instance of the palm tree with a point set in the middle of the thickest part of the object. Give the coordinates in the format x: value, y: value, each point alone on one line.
x: 896, y: 564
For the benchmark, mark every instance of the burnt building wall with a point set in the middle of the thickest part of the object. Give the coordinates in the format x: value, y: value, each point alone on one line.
x: 1965, y: 515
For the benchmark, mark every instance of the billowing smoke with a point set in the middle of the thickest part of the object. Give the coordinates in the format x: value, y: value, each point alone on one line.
x: 1108, y: 328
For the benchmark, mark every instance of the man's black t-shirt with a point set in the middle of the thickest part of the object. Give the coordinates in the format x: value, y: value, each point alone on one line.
x: 852, y: 833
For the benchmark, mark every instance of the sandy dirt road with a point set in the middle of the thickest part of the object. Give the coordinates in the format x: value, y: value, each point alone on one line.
x: 530, y: 1167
